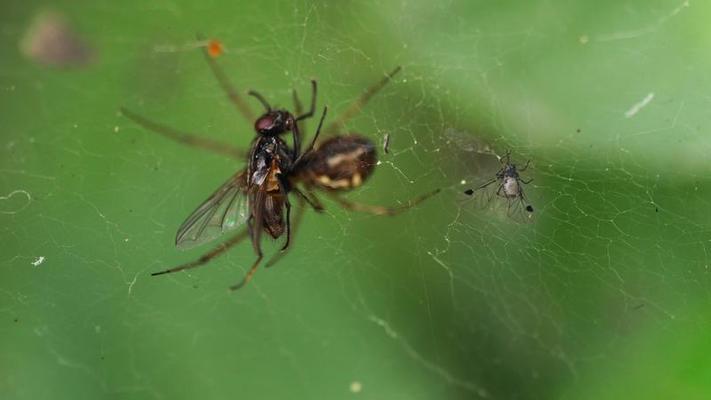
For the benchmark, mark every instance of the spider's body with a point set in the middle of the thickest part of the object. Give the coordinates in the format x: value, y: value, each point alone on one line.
x: 340, y: 163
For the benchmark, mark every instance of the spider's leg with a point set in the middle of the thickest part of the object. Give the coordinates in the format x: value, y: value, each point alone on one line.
x: 313, y: 141
x: 205, y: 258
x: 381, y: 210
x: 248, y: 275
x: 184, y: 138
x: 227, y: 86
x: 310, y: 198
x: 298, y: 109
x: 296, y: 131
x: 312, y: 109
x: 300, y: 125
x: 255, y: 224
x: 298, y: 105
x: 258, y: 96
x: 359, y: 103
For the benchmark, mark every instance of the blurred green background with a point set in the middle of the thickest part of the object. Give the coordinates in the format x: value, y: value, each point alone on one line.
x: 605, y: 296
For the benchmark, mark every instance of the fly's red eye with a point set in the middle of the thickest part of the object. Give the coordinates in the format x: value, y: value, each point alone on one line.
x: 264, y: 123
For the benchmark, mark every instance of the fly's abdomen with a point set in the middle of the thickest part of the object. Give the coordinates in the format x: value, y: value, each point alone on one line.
x: 511, y: 187
x: 273, y: 216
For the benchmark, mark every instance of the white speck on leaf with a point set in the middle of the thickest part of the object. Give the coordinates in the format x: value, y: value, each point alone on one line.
x: 638, y: 106
x: 356, y: 387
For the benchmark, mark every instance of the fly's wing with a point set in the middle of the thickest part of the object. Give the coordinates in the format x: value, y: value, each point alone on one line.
x: 484, y: 196
x: 519, y: 209
x: 225, y: 210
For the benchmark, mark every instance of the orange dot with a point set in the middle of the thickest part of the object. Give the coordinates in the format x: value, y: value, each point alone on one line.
x: 215, y: 48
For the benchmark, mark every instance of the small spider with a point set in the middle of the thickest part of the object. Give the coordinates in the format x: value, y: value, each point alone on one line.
x: 509, y: 188
x: 256, y: 198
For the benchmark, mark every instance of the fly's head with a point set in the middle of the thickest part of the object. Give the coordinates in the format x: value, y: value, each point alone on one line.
x: 274, y: 123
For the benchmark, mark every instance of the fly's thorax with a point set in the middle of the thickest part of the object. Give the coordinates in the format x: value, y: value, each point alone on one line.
x: 340, y: 163
x: 269, y: 153
x: 509, y: 170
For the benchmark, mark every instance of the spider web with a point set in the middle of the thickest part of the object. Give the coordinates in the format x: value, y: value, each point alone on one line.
x: 606, y: 292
